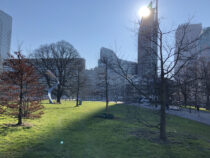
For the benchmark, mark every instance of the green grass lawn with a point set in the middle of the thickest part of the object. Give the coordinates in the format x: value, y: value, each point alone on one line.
x: 86, y: 136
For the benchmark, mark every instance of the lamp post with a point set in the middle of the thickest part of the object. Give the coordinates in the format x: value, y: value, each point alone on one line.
x: 157, y: 10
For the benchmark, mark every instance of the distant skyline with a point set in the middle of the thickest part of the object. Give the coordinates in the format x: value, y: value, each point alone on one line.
x: 92, y: 24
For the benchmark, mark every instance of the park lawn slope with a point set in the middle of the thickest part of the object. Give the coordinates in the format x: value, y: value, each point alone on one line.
x: 68, y: 131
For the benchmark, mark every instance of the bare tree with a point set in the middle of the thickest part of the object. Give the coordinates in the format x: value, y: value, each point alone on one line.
x: 196, y: 84
x: 205, y: 74
x: 79, y: 80
x: 183, y: 82
x: 59, y: 58
x: 189, y: 82
x: 104, y: 79
x: 169, y: 56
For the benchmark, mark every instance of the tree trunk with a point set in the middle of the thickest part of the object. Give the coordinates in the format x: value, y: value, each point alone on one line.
x: 58, y: 99
x: 163, y: 96
x: 107, y: 98
x: 106, y: 88
x: 162, y: 111
x: 207, y: 102
x: 59, y: 95
x: 77, y: 100
x: 107, y: 104
x: 185, y: 100
x: 196, y: 101
x: 20, y: 110
x: 78, y: 81
x: 20, y: 115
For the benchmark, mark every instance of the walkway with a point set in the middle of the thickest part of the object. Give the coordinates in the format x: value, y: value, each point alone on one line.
x: 202, y: 116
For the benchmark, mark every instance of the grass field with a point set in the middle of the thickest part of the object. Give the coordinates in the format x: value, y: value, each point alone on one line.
x: 85, y: 135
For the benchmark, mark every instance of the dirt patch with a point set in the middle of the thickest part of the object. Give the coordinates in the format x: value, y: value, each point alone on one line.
x: 153, y: 136
x: 150, y: 135
x: 105, y: 116
x: 26, y: 125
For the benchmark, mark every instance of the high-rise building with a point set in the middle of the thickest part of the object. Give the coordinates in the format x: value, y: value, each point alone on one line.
x: 113, y: 60
x: 5, y: 35
x: 203, y: 44
x: 147, y: 48
x: 186, y: 34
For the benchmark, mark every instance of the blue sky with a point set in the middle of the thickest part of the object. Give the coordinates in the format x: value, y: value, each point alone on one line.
x: 91, y: 24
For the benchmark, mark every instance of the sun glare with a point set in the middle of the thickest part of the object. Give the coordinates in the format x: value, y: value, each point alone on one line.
x: 144, y: 12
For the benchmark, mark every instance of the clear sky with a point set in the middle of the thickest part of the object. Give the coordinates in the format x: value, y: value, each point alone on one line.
x: 91, y: 24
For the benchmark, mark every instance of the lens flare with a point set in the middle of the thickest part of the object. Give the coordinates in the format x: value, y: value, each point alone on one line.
x: 144, y: 12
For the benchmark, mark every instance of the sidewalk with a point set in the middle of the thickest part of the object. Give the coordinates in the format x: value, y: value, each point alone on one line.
x: 201, y: 116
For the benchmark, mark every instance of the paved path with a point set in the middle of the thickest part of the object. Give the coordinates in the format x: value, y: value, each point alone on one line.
x: 202, y: 116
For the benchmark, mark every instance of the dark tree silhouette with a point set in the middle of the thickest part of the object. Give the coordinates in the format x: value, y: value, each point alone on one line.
x: 59, y: 58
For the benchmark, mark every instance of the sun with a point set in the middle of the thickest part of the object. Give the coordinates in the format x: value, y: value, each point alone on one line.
x: 144, y: 12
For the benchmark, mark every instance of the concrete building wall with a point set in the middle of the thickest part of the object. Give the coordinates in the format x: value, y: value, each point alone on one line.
x: 5, y: 36
x: 130, y: 66
x: 187, y: 33
x: 204, y: 44
x: 117, y: 84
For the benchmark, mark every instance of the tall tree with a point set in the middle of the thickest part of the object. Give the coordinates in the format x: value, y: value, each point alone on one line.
x: 20, y: 88
x: 59, y: 58
x: 169, y: 56
x: 103, y: 79
x: 79, y: 80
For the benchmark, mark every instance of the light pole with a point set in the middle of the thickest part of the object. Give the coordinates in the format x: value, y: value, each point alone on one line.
x: 157, y: 10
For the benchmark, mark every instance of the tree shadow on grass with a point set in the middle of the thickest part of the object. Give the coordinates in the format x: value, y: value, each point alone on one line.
x: 60, y: 108
x: 91, y: 137
x: 5, y: 129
